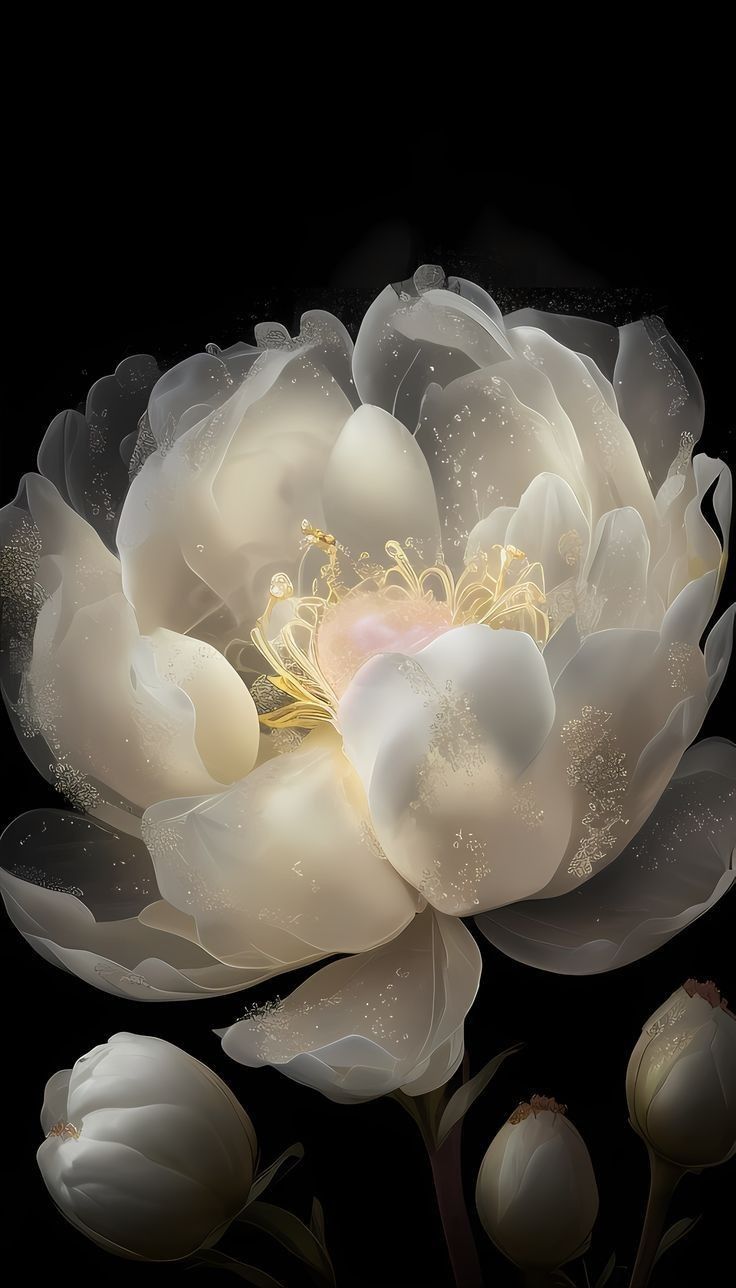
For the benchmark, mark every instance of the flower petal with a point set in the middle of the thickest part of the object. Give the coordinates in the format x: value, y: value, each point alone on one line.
x: 616, y: 572
x: 283, y: 866
x: 79, y: 893
x: 549, y: 526
x: 597, y: 340
x: 212, y: 516
x: 84, y: 454
x: 126, y: 720
x: 441, y: 741
x: 484, y: 447
x: 659, y: 396
x: 679, y: 865
x: 363, y: 1026
x: 378, y: 487
x: 418, y: 333
x: 613, y: 473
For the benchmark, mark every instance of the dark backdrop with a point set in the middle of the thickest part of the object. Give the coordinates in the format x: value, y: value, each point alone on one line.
x: 111, y: 260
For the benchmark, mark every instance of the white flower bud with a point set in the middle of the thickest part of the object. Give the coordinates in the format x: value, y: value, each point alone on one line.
x: 147, y: 1152
x: 681, y: 1079
x: 536, y: 1193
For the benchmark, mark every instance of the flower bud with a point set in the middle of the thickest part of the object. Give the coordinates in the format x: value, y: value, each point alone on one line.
x: 536, y: 1193
x: 147, y: 1152
x: 681, y: 1079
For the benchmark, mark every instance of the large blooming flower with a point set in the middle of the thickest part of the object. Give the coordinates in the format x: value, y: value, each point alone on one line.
x: 460, y: 578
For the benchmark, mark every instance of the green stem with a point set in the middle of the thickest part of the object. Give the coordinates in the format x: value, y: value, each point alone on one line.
x: 664, y: 1178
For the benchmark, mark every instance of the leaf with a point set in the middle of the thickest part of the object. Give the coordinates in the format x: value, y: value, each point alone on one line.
x: 674, y: 1234
x: 279, y: 1168
x: 251, y: 1274
x: 606, y: 1272
x: 317, y: 1222
x: 468, y: 1093
x: 293, y: 1235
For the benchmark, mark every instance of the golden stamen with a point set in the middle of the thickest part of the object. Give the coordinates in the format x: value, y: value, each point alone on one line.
x: 67, y: 1131
x: 487, y: 593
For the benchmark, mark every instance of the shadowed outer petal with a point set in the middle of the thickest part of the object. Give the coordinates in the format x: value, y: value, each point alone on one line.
x: 283, y: 866
x: 536, y: 1192
x: 613, y: 473
x: 84, y: 454
x: 79, y: 894
x: 418, y: 333
x: 484, y: 446
x: 691, y: 544
x: 680, y: 864
x: 441, y: 741
x: 659, y: 396
x: 595, y: 339
x: 363, y: 1026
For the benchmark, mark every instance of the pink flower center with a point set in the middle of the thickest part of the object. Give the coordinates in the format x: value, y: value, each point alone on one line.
x: 365, y: 624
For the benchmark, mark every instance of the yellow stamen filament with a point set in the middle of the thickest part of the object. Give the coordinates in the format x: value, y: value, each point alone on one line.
x: 487, y: 593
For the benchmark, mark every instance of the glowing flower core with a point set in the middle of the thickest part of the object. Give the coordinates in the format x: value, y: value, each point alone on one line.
x: 359, y: 609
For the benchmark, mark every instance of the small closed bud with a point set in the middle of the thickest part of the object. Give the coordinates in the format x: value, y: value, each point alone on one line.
x: 147, y: 1152
x: 681, y: 1079
x: 536, y: 1193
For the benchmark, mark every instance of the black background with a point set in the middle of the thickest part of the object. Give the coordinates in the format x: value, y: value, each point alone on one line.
x: 115, y: 255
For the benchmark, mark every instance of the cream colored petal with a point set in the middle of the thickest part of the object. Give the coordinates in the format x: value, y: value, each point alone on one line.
x: 362, y: 1026
x: 659, y: 396
x: 79, y: 893
x: 442, y: 741
x: 678, y: 866
x: 109, y: 714
x: 208, y: 521
x: 489, y: 532
x: 226, y: 731
x: 284, y: 866
x: 111, y: 728
x: 377, y: 487
x: 549, y: 526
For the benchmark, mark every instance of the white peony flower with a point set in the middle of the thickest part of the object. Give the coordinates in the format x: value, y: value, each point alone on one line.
x: 536, y: 1192
x: 681, y: 1079
x: 477, y: 679
x: 147, y: 1152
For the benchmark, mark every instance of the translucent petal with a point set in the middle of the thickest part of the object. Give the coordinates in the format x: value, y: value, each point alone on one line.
x: 678, y: 866
x: 442, y: 741
x: 77, y: 892
x: 659, y: 396
x: 362, y: 1026
x: 284, y: 866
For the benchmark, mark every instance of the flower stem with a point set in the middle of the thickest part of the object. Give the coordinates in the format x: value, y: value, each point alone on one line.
x: 664, y: 1178
x: 448, y: 1184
